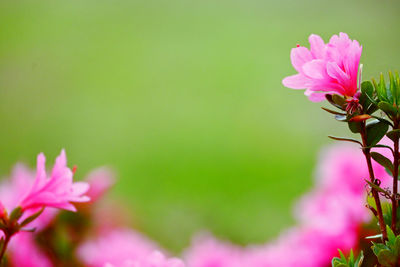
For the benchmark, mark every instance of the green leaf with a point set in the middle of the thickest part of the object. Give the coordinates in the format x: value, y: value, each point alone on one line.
x: 382, y: 160
x: 330, y: 100
x: 391, y: 235
x: 16, y: 214
x: 367, y: 88
x: 345, y: 139
x: 31, y: 218
x: 354, y: 126
x: 394, y: 134
x: 333, y: 112
x: 386, y: 258
x: 387, y: 108
x: 338, y: 99
x: 366, y: 98
x: 376, y: 130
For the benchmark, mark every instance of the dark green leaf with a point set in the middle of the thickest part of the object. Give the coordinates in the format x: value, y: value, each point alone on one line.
x: 394, y: 134
x: 376, y: 130
x: 387, y: 108
x: 31, y: 218
x: 354, y: 126
x: 382, y: 160
x: 339, y: 100
x: 16, y: 214
x: 330, y: 100
x: 367, y: 88
x: 386, y: 258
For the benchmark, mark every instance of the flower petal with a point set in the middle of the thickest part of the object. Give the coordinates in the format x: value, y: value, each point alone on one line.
x: 297, y: 81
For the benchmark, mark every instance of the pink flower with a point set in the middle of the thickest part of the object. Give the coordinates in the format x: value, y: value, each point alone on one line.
x: 155, y: 259
x: 330, y: 68
x: 56, y: 191
x: 13, y: 190
x: 100, y: 181
x: 207, y: 251
x: 342, y: 168
x: 23, y: 252
x: 115, y: 247
x: 300, y: 246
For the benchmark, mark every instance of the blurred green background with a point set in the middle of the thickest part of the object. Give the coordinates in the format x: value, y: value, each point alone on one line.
x: 183, y: 98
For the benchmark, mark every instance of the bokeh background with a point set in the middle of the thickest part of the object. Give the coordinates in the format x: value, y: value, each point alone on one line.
x: 183, y: 99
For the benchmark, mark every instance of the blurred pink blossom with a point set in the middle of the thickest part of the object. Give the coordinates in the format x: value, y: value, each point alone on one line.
x: 300, y: 246
x: 56, y: 191
x: 155, y: 259
x: 23, y: 252
x: 115, y: 247
x: 206, y: 251
x: 100, y: 181
x: 326, y: 68
x: 342, y: 167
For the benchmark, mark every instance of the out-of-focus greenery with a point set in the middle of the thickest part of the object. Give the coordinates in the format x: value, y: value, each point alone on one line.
x: 183, y: 98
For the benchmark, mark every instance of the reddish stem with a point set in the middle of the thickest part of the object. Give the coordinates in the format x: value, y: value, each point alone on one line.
x: 3, y: 249
x: 375, y: 194
x: 395, y: 177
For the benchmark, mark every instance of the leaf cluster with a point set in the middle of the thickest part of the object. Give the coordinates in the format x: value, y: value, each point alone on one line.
x: 348, y: 262
x: 388, y: 254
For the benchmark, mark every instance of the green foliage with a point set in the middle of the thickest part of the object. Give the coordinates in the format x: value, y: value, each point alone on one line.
x: 388, y: 94
x: 382, y: 160
x: 376, y: 130
x: 350, y: 262
x: 394, y: 134
x: 368, y: 98
x: 388, y: 254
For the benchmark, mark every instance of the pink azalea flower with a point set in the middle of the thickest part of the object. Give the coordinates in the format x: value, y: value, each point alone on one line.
x: 56, y: 191
x: 330, y: 68
x: 115, y: 247
x: 13, y: 190
x: 206, y: 251
x: 155, y: 259
x: 23, y: 252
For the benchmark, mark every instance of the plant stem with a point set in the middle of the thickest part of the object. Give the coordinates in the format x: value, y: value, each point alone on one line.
x: 3, y: 249
x: 375, y: 194
x: 395, y: 177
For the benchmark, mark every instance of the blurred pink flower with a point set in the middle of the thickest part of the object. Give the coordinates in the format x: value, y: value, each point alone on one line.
x: 155, y: 259
x: 23, y: 252
x: 100, y: 181
x: 331, y: 213
x: 300, y: 246
x: 326, y: 68
x: 115, y: 247
x: 58, y: 190
x: 206, y: 251
x: 342, y: 167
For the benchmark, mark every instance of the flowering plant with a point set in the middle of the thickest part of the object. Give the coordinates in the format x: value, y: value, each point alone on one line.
x: 350, y: 217
x: 371, y: 110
